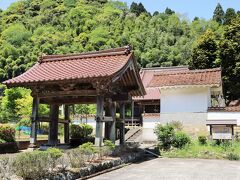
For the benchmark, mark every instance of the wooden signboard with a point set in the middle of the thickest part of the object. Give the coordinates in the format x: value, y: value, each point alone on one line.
x: 221, y: 132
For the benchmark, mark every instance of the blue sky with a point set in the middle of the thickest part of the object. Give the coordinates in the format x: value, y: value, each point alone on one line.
x: 190, y: 8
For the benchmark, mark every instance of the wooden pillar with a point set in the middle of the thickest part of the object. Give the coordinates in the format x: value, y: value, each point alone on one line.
x: 132, y: 112
x: 66, y: 125
x: 106, y: 130
x: 53, y: 126
x: 113, y: 123
x: 211, y: 132
x: 122, y: 128
x: 107, y: 124
x: 99, y: 123
x: 33, y: 136
x: 232, y: 132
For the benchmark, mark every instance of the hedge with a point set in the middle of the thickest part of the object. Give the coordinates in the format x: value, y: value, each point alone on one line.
x: 7, y: 133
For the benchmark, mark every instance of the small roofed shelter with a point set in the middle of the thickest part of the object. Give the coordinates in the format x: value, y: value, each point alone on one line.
x: 104, y: 77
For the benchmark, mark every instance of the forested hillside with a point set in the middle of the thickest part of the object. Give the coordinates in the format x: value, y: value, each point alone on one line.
x: 30, y: 28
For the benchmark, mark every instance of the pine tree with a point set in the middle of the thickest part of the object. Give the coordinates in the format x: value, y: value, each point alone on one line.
x: 218, y: 14
x: 137, y: 8
x: 229, y: 16
x: 169, y: 11
x: 155, y: 13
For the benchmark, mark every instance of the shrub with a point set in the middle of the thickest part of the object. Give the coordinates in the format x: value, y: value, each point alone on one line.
x: 2, y: 141
x: 165, y: 135
x: 6, y: 167
x: 87, y: 129
x: 225, y: 145
x: 76, y: 158
x: 107, y: 149
x: 80, y: 131
x: 32, y: 165
x: 36, y: 164
x: 216, y: 142
x: 109, y: 145
x: 88, y: 147
x: 177, y: 125
x: 181, y: 139
x: 89, y: 150
x: 233, y: 157
x: 7, y: 133
x: 76, y: 131
x: 54, y: 153
x: 202, y: 140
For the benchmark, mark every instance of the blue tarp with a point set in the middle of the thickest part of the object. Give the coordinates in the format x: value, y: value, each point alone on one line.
x: 27, y: 130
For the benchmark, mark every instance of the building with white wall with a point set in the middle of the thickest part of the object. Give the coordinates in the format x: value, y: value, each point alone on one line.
x: 187, y: 95
x: 184, y: 95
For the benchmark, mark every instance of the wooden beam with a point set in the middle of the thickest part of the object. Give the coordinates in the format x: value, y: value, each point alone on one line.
x: 70, y: 100
x: 47, y: 119
x: 121, y: 97
x: 67, y: 93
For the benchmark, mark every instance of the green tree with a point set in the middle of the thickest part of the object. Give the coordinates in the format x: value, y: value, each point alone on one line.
x: 230, y: 59
x: 218, y: 14
x: 137, y: 8
x: 155, y: 13
x: 85, y: 109
x: 205, y: 53
x: 24, y: 106
x: 169, y: 11
x: 8, y: 105
x: 229, y: 15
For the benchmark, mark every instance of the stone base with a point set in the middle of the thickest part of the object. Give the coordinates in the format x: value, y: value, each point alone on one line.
x: 59, y: 146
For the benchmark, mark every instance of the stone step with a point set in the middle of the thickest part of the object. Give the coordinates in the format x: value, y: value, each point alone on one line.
x: 133, y: 134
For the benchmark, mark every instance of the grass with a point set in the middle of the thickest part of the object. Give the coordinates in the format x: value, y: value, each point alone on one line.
x: 209, y: 151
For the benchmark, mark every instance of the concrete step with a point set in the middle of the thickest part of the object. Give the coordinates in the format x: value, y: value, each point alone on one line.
x: 133, y: 134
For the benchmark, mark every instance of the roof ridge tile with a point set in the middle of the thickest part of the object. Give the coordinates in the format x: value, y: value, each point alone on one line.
x: 126, y: 50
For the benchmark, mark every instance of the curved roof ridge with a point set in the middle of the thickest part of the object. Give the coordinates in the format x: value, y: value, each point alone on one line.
x: 109, y: 52
x: 163, y: 73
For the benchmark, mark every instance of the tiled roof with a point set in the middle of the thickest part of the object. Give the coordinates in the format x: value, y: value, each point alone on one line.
x: 221, y: 122
x: 147, y: 75
x: 151, y: 94
x: 209, y: 77
x: 56, y: 68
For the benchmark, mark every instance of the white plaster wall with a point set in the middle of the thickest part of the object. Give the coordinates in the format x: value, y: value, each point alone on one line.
x: 187, y: 119
x: 191, y: 99
x: 148, y: 135
x: 150, y: 121
x: 224, y: 115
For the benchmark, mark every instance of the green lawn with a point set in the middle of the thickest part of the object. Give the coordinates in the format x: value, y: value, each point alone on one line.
x: 209, y: 151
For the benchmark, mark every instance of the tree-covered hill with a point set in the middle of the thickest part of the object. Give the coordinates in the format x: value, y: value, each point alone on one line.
x: 30, y: 28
